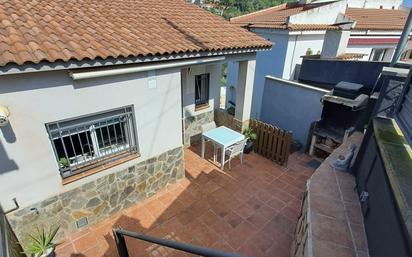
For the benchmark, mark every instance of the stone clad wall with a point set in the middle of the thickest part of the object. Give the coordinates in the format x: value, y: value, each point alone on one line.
x: 300, y: 242
x: 193, y: 126
x: 101, y: 198
x: 223, y: 118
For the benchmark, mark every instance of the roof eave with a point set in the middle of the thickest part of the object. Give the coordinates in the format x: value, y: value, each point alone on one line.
x: 13, y: 68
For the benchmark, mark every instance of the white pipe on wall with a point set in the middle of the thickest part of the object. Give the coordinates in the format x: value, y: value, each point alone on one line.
x: 78, y: 75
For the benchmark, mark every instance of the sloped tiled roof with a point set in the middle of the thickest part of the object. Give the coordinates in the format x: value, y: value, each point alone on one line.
x: 276, y: 17
x: 377, y: 19
x: 49, y: 30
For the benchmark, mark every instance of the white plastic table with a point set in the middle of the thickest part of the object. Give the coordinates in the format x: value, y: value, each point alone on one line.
x: 223, y: 137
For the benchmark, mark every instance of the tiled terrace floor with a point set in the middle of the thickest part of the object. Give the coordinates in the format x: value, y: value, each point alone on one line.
x: 251, y: 209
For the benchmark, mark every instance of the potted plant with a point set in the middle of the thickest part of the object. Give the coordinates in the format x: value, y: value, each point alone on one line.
x: 251, y: 137
x: 41, y: 243
x: 63, y: 162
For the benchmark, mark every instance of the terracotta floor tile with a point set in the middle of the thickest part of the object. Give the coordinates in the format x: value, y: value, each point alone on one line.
x: 278, y: 250
x: 186, y: 216
x: 249, y: 249
x: 65, y: 250
x: 328, y: 207
x: 283, y: 195
x: 263, y: 195
x: 241, y: 234
x: 294, y: 191
x: 262, y: 241
x: 290, y: 213
x: 358, y: 232
x: 223, y: 246
x: 258, y: 220
x: 324, y: 249
x: 354, y: 213
x: 250, y: 209
x: 93, y: 252
x: 85, y: 242
x: 233, y: 219
x: 277, y: 183
x: 209, y: 218
x: 331, y: 230
x: 245, y: 211
x: 220, y: 209
x: 255, y: 203
x: 80, y: 233
x: 276, y: 204
x: 267, y: 212
x: 286, y: 178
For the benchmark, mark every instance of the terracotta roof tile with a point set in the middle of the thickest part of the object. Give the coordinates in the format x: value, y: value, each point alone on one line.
x: 377, y: 19
x: 276, y: 18
x: 50, y: 30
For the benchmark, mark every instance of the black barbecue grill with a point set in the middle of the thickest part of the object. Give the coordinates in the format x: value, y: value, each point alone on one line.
x: 343, y: 112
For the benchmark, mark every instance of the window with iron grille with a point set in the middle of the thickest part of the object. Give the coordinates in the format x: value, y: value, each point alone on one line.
x: 202, y: 89
x: 90, y: 141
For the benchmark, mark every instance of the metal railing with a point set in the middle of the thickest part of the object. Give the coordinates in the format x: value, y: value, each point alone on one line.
x: 120, y: 234
x: 88, y: 141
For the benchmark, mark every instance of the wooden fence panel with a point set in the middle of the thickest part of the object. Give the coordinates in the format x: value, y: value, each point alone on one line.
x: 272, y: 142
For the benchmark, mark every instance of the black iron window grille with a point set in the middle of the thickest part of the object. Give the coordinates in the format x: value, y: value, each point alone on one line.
x: 202, y: 89
x: 89, y: 141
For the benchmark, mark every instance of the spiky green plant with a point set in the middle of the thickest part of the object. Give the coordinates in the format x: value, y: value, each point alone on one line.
x: 250, y: 133
x: 41, y: 241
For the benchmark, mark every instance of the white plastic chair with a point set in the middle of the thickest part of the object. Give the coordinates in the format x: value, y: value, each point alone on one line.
x: 207, y: 127
x: 235, y: 150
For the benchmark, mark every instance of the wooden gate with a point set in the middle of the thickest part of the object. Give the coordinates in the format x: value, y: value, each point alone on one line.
x: 272, y: 142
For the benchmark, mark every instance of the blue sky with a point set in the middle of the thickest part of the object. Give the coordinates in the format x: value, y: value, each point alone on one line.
x: 407, y: 3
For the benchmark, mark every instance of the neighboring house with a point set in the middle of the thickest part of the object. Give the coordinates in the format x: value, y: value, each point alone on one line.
x: 367, y: 30
x: 101, y: 97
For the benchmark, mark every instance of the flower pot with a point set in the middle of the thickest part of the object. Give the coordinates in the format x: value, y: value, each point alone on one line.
x: 49, y: 253
x: 248, y: 147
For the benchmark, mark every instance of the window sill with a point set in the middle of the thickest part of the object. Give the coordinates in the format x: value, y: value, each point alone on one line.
x: 201, y: 107
x: 98, y: 169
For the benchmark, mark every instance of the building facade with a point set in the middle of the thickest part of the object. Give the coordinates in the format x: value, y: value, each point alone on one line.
x: 300, y: 29
x: 93, y: 124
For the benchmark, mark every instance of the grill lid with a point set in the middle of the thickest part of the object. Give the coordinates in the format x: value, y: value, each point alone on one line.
x: 347, y: 89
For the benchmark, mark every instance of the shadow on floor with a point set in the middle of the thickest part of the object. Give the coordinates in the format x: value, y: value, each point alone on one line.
x: 251, y: 209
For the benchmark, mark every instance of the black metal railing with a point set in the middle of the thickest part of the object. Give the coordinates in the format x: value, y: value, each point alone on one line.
x: 120, y: 234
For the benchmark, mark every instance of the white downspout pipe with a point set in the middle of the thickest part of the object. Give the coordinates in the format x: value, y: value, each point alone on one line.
x: 78, y: 75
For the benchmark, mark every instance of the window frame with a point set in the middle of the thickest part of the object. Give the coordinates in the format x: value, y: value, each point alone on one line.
x: 91, y: 158
x: 381, y: 55
x: 204, y: 77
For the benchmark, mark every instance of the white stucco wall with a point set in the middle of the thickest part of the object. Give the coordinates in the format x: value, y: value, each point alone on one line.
x: 367, y: 49
x: 268, y: 63
x: 292, y: 106
x: 280, y: 61
x: 188, y: 88
x: 28, y: 170
x: 386, y: 4
x: 298, y: 44
x: 325, y: 14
